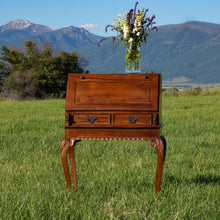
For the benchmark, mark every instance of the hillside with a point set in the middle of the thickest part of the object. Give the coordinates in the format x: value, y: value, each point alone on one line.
x: 188, y: 52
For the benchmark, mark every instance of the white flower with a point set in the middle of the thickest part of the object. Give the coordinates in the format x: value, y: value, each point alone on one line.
x: 136, y: 23
x: 131, y: 40
x: 126, y: 31
x: 135, y: 30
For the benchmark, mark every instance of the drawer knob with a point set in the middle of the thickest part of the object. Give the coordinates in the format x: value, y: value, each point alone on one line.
x: 132, y: 119
x: 91, y: 118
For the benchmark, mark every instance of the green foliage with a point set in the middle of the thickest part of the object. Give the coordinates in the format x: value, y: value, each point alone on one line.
x: 150, y: 71
x: 13, y: 56
x: 171, y: 92
x: 53, y: 73
x: 21, y: 85
x: 4, y: 72
x: 210, y: 92
x: 115, y: 178
x: 191, y: 92
x: 36, y: 72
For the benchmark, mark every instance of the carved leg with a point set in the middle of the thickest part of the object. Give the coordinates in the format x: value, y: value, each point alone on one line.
x: 160, y: 146
x: 65, y: 144
x: 72, y: 164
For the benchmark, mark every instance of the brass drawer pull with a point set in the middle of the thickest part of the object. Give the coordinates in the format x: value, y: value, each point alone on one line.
x: 91, y: 118
x: 132, y: 119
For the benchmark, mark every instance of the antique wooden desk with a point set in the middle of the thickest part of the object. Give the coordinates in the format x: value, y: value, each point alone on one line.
x: 112, y: 107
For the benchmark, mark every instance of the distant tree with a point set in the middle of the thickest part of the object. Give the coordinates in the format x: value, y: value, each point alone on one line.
x: 150, y: 71
x: 4, y: 72
x: 53, y: 72
x: 36, y: 72
x: 193, y: 91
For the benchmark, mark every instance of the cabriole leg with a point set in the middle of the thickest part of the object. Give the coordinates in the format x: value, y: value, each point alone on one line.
x: 65, y: 145
x: 72, y: 164
x: 160, y: 146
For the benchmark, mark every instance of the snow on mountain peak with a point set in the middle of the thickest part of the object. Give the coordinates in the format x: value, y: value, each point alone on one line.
x: 20, y: 24
x: 16, y: 24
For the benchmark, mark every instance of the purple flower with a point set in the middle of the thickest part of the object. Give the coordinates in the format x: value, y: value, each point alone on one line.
x: 154, y: 28
x: 135, y: 7
x: 145, y: 12
x: 153, y: 17
x: 145, y: 27
x: 101, y: 41
x: 128, y: 18
x: 106, y: 28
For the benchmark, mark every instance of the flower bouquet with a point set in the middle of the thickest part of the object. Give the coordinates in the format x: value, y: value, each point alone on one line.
x: 132, y: 29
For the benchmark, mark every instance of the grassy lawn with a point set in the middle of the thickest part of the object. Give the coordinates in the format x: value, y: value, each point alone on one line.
x: 115, y: 178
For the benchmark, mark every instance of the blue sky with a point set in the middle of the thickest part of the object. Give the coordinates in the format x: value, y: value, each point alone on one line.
x: 96, y: 14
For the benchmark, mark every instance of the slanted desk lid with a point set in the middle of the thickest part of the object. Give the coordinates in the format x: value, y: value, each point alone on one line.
x: 113, y: 92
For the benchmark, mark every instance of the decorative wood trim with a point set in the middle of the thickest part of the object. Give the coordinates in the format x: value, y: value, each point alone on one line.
x: 68, y: 144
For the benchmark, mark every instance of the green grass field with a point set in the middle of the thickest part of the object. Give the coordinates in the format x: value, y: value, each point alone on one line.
x: 115, y: 178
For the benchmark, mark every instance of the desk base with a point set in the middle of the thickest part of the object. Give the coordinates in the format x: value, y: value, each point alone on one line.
x: 68, y: 144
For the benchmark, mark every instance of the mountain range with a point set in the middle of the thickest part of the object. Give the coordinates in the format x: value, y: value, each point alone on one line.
x: 14, y: 33
x: 187, y: 52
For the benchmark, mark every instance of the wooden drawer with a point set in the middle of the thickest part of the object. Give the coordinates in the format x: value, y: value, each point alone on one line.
x: 91, y: 119
x: 132, y: 119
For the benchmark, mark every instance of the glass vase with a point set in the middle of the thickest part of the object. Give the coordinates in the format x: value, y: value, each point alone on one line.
x: 133, y: 60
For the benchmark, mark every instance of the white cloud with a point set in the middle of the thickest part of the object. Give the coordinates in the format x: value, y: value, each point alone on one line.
x: 91, y: 27
x: 189, y: 18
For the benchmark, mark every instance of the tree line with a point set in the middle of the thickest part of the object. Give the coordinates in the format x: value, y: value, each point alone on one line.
x: 36, y: 72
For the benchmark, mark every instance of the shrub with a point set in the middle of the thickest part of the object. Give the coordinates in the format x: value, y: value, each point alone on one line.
x: 171, y: 92
x: 20, y: 85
